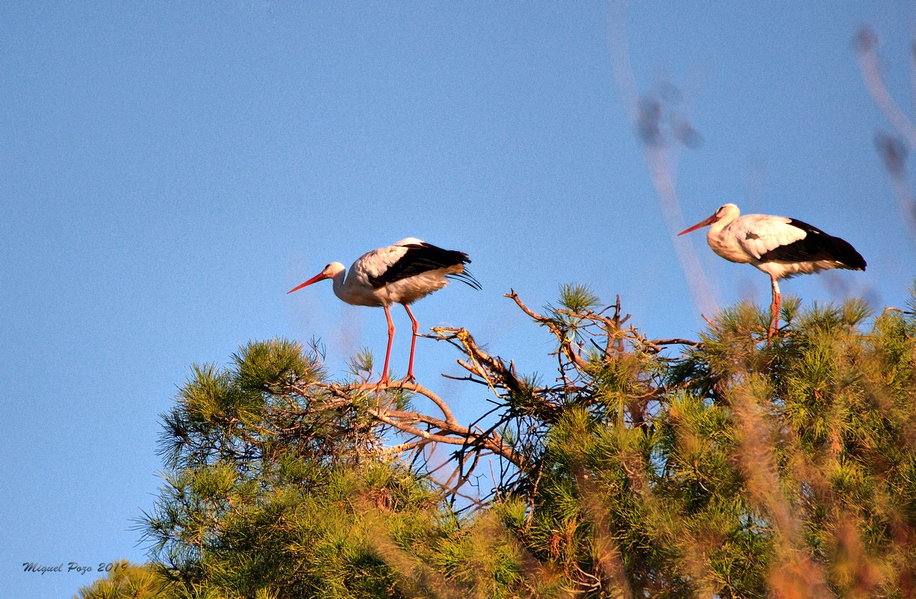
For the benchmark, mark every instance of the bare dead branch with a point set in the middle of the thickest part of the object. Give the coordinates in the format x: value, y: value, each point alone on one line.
x: 534, y: 315
x: 414, y: 388
x: 487, y: 363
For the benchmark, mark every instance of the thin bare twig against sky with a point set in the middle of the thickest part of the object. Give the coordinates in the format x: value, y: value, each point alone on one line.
x: 646, y: 114
x: 892, y: 149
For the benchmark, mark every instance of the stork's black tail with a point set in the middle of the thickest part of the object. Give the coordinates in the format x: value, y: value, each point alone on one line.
x: 466, y: 277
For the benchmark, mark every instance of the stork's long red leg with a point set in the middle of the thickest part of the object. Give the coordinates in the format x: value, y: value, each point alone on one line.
x: 413, y: 342
x: 390, y: 339
x: 775, y: 304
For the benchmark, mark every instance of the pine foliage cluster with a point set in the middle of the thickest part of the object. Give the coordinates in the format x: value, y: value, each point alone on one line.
x: 725, y: 467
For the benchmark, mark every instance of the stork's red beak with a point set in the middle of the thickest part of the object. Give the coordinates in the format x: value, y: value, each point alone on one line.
x: 319, y: 277
x: 708, y: 221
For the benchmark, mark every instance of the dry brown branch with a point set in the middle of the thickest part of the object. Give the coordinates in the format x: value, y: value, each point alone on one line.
x: 413, y: 388
x: 656, y: 344
x: 534, y: 315
x: 569, y: 349
x: 485, y: 365
x: 512, y: 432
x: 447, y: 430
x: 403, y: 448
x: 404, y: 425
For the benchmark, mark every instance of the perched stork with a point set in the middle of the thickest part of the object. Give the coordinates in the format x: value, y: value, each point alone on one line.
x: 398, y: 274
x: 779, y: 246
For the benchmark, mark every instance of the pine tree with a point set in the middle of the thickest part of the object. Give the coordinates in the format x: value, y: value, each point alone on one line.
x: 726, y: 467
x: 128, y: 580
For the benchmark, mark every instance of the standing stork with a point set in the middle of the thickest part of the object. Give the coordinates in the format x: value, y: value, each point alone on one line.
x: 398, y: 274
x: 779, y: 246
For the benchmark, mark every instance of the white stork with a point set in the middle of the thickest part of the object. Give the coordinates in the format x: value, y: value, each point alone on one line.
x: 779, y: 246
x: 398, y: 274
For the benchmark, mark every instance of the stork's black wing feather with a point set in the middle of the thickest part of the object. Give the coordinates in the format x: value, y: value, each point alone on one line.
x: 816, y: 245
x: 424, y: 257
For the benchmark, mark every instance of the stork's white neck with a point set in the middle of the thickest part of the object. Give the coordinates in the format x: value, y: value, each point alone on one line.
x: 726, y: 214
x: 721, y: 243
x: 338, y: 281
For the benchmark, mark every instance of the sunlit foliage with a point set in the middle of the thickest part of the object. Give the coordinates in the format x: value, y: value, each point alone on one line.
x: 731, y: 466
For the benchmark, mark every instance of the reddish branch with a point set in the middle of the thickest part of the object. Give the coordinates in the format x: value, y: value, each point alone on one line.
x: 520, y: 408
x: 437, y: 430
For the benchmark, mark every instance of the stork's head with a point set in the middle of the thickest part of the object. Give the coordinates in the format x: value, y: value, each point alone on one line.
x: 727, y: 212
x: 330, y: 271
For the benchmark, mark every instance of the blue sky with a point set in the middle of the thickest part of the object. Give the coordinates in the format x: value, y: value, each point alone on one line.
x: 169, y: 170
